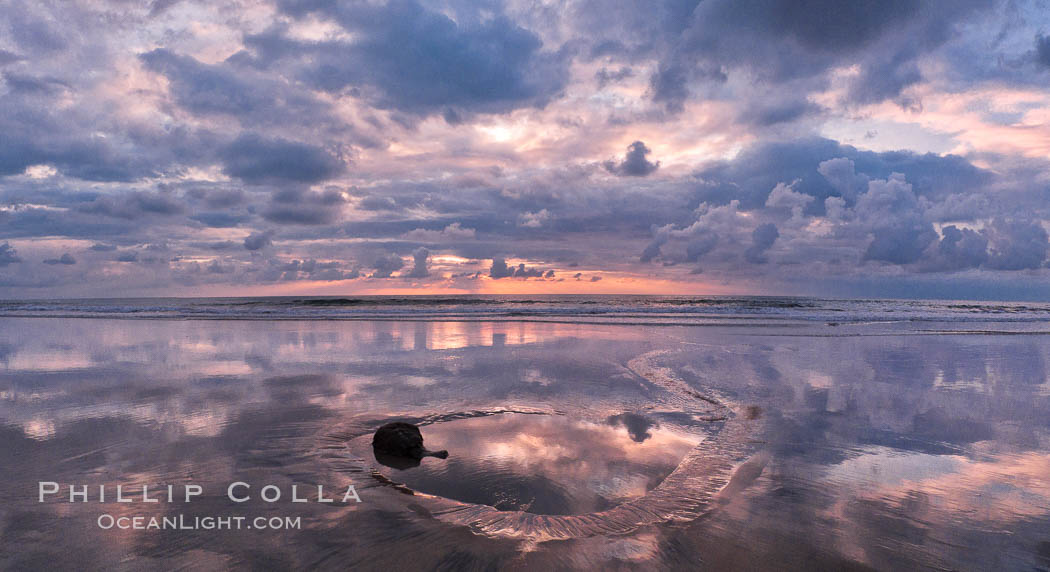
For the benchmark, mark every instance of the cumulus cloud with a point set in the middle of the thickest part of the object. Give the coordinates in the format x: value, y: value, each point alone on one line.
x: 66, y: 259
x: 499, y: 269
x: 634, y: 164
x: 762, y: 239
x: 900, y: 232
x: 841, y: 173
x: 259, y: 240
x: 697, y: 248
x: 534, y: 220
x: 386, y: 265
x: 454, y: 231
x: 419, y: 263
x: 660, y: 237
x: 959, y: 248
x: 1016, y: 244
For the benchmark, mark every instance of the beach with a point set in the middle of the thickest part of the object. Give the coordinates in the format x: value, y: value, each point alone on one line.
x: 583, y: 433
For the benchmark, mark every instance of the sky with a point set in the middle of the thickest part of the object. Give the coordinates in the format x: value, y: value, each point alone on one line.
x: 892, y: 148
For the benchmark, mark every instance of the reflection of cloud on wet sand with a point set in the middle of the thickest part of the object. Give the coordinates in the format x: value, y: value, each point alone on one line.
x: 1006, y: 489
x: 588, y: 465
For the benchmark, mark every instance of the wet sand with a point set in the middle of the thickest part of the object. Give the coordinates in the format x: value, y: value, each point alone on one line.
x: 571, y: 445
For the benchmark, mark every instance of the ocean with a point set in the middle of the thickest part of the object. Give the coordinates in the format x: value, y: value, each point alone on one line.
x: 601, y: 432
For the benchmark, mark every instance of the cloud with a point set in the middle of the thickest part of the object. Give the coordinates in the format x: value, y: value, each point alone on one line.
x: 499, y: 269
x: 386, y: 265
x: 841, y: 173
x: 660, y: 237
x: 900, y: 231
x: 798, y: 44
x: 259, y: 240
x: 296, y: 205
x: 254, y: 98
x: 1042, y: 50
x: 133, y: 205
x: 419, y: 263
x: 824, y: 168
x: 696, y: 249
x: 959, y: 248
x: 66, y: 258
x: 534, y: 220
x: 762, y: 239
x: 1016, y: 244
x: 257, y: 160
x: 8, y: 255
x: 785, y: 197
x: 634, y: 164
x: 407, y: 57
x: 454, y: 231
x: 606, y: 76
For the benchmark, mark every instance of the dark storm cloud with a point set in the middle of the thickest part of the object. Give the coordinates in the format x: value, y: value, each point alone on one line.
x: 257, y: 160
x: 634, y: 163
x: 407, y: 57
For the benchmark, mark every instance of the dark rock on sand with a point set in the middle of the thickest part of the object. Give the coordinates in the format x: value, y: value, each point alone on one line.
x: 398, y: 443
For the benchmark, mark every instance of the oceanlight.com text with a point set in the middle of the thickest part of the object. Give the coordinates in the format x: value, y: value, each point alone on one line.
x: 183, y: 522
